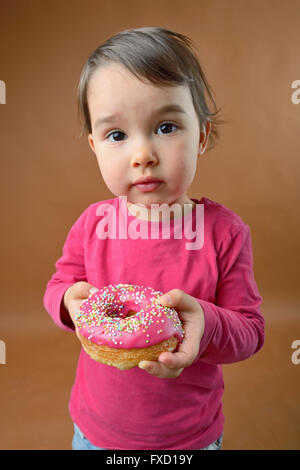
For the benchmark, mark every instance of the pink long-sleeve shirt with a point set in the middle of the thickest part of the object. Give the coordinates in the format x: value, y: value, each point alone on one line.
x: 213, y: 262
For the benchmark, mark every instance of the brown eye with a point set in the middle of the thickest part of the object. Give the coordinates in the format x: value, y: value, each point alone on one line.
x: 117, y: 136
x: 166, y: 127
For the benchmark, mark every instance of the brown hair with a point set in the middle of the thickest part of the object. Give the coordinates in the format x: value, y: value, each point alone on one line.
x: 161, y: 56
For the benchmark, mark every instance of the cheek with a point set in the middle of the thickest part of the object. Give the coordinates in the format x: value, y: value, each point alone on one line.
x: 111, y: 171
x: 184, y: 161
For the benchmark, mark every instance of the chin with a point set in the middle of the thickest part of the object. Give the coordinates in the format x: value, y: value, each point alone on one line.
x: 148, y: 204
x: 148, y: 199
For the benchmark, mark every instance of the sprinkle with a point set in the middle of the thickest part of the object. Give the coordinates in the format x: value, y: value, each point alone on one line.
x: 103, y: 315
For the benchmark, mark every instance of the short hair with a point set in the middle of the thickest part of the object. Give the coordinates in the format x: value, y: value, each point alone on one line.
x: 162, y: 57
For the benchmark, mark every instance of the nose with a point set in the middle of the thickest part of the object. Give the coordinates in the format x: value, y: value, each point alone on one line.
x: 144, y: 156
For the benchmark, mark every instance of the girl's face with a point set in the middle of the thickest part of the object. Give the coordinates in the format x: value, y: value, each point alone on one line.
x: 133, y: 137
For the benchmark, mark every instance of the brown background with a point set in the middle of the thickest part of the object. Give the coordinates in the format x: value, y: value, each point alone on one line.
x: 250, y: 52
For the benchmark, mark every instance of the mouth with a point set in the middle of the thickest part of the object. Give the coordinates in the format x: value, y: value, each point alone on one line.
x: 147, y: 183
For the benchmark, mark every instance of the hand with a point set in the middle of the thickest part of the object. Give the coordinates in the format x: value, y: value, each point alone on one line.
x: 74, y: 296
x: 170, y: 365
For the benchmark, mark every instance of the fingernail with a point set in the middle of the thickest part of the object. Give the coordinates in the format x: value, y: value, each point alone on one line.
x: 166, y: 299
x: 93, y: 290
x: 143, y: 365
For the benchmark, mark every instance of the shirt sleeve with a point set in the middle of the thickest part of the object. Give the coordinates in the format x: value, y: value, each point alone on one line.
x: 234, y: 325
x: 70, y: 268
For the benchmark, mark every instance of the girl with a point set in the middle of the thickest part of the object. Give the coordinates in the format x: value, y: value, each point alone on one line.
x: 143, y: 98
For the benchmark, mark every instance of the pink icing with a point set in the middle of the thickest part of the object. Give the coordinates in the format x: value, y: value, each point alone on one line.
x: 102, y: 319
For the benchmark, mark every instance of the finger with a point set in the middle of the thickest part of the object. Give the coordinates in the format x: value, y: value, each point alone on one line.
x: 84, y: 290
x: 189, y: 310
x: 187, y: 350
x: 93, y: 290
x: 189, y: 347
x: 158, y: 369
x: 150, y: 366
x: 180, y: 300
x: 179, y: 359
x: 172, y: 360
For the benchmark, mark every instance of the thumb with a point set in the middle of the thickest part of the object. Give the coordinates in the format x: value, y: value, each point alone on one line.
x: 180, y: 300
x: 93, y: 290
x: 84, y: 290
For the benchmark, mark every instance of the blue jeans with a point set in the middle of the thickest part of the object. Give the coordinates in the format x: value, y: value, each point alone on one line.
x: 80, y: 442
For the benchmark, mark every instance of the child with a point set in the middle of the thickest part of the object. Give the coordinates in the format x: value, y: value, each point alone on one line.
x: 143, y: 97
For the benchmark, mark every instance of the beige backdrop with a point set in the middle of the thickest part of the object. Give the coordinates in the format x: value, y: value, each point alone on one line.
x: 250, y: 52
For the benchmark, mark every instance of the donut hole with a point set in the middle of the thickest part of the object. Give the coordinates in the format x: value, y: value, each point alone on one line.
x: 130, y: 313
x: 125, y: 312
x: 130, y: 308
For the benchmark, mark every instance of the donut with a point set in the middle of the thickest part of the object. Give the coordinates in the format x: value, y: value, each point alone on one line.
x: 123, y: 324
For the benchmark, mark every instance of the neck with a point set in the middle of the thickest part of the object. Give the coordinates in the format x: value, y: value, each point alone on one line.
x: 163, y: 212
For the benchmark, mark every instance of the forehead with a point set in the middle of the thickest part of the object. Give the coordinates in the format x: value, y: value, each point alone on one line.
x: 113, y: 88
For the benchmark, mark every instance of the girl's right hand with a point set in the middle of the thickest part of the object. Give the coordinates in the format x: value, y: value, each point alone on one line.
x: 74, y: 296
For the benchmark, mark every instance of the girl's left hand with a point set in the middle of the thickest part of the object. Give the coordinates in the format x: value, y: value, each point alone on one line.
x: 170, y: 365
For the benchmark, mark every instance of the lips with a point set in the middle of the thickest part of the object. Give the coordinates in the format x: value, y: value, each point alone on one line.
x: 147, y: 184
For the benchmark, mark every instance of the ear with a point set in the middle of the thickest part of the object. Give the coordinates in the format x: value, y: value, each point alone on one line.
x: 204, y: 134
x: 91, y: 142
